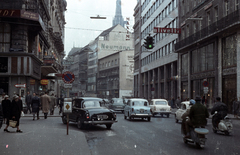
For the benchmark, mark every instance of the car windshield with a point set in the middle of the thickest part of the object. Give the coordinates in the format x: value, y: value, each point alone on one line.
x: 139, y: 103
x: 118, y: 101
x: 160, y: 103
x: 88, y: 104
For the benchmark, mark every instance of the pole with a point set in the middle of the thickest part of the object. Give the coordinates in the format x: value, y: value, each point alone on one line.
x: 67, y: 122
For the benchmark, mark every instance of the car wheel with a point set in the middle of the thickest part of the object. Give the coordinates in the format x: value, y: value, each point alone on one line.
x: 226, y: 133
x: 125, y: 117
x: 153, y: 114
x: 149, y: 119
x: 161, y: 115
x: 122, y: 111
x: 108, y: 126
x: 64, y: 119
x: 167, y: 115
x: 80, y: 125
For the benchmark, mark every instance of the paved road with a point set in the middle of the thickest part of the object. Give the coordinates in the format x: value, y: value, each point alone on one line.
x: 161, y: 136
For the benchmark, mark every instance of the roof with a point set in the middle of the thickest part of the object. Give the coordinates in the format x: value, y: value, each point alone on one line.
x: 106, y: 32
x: 74, y: 50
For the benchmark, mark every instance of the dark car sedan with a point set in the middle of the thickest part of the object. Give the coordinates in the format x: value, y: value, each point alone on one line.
x: 117, y: 104
x: 87, y: 111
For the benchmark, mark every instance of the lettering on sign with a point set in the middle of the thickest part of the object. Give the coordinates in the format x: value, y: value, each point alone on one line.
x: 166, y: 30
x: 114, y: 47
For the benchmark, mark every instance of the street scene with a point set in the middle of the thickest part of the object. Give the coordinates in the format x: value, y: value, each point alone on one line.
x: 106, y: 77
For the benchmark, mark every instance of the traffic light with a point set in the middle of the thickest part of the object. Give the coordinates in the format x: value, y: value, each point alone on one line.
x: 149, y: 42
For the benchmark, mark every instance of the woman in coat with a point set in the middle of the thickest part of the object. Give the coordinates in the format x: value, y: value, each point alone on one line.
x: 6, y: 107
x: 235, y: 107
x: 17, y: 109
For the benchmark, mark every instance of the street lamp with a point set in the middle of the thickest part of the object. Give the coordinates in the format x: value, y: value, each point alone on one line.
x: 98, y: 17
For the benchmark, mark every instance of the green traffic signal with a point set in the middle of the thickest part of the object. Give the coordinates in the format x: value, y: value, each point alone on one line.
x: 149, y: 44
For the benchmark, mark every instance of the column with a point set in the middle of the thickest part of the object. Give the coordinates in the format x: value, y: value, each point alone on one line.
x: 149, y: 85
x: 159, y: 83
x: 144, y: 89
x: 179, y: 75
x: 165, y: 83
x: 172, y: 81
x: 238, y: 65
x: 153, y: 77
x: 189, y: 75
x: 219, y: 68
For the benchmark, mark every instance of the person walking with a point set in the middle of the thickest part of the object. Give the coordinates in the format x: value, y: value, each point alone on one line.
x: 178, y: 102
x: 35, y: 106
x: 52, y: 104
x: 236, y: 106
x: 17, y: 109
x: 28, y: 101
x: 45, y: 102
x: 6, y: 107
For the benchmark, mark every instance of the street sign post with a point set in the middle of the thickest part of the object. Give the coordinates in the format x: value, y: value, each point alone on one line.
x: 205, y: 90
x: 67, y: 108
x: 68, y: 77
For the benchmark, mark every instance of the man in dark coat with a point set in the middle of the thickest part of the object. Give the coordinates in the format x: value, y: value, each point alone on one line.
x: 1, y: 115
x: 222, y: 111
x: 35, y: 106
x: 6, y: 107
x: 17, y: 109
x: 198, y: 113
x: 28, y: 101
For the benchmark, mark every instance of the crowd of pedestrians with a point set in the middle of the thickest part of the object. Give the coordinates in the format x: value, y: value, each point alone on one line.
x: 12, y: 110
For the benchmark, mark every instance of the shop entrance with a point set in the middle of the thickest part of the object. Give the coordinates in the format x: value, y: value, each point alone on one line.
x: 229, y: 91
x: 4, y: 85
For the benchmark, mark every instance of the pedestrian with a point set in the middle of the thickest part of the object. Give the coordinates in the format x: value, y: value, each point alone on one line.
x: 28, y: 101
x: 6, y: 106
x: 178, y: 102
x: 235, y: 107
x: 17, y: 109
x: 35, y: 106
x: 2, y: 97
x: 45, y: 102
x: 52, y: 104
x: 60, y: 103
x: 1, y: 115
x: 203, y: 100
x: 173, y: 102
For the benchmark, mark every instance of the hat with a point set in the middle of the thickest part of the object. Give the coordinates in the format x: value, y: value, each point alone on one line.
x: 192, y: 102
x: 6, y: 96
x: 15, y: 97
x: 198, y: 98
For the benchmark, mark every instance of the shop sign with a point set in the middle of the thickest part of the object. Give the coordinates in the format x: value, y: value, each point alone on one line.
x: 32, y: 82
x: 44, y: 82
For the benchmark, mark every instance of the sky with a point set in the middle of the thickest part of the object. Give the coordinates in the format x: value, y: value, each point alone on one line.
x: 80, y: 29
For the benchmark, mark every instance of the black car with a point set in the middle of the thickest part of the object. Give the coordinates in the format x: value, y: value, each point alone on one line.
x: 87, y: 111
x: 117, y: 104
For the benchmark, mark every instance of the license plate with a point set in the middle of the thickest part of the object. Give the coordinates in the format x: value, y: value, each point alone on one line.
x: 141, y: 111
x: 162, y: 109
x: 102, y: 116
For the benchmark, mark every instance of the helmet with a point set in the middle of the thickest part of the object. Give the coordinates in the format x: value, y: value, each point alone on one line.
x: 192, y: 102
x: 198, y: 98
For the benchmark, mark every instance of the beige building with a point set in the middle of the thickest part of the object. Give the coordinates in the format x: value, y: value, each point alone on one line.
x: 115, y: 75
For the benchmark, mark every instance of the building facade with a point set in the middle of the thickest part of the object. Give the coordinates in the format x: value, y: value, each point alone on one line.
x: 209, y: 51
x: 115, y: 75
x: 156, y: 69
x: 32, y: 35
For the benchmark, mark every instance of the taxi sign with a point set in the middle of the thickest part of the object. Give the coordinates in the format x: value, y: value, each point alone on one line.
x: 67, y: 105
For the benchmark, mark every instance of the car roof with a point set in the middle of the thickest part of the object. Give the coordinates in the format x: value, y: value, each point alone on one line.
x: 159, y: 100
x: 88, y: 98
x: 185, y: 102
x: 134, y: 99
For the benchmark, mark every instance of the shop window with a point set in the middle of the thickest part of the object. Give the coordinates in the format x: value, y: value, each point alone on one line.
x: 230, y: 51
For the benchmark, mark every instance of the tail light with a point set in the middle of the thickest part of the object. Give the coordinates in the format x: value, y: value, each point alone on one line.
x: 87, y: 116
x: 132, y: 109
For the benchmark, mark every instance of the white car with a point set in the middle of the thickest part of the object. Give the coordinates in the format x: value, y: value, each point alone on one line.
x: 160, y: 106
x: 183, y: 107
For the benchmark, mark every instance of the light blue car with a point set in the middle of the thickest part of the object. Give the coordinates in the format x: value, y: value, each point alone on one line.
x: 137, y: 108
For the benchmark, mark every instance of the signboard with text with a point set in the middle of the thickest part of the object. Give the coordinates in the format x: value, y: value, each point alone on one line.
x: 166, y: 30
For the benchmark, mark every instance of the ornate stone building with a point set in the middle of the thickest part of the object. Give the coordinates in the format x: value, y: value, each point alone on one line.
x: 31, y: 44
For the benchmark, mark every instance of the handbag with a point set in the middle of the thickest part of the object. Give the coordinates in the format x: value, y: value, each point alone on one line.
x: 12, y: 123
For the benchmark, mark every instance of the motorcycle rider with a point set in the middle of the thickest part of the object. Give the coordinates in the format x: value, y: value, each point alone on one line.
x: 198, y: 113
x: 221, y: 109
x: 186, y: 122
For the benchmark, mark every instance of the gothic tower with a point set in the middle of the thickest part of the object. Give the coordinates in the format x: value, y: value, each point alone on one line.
x: 118, y: 19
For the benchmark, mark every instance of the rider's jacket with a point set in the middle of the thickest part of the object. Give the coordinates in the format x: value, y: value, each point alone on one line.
x: 221, y: 109
x: 198, y: 114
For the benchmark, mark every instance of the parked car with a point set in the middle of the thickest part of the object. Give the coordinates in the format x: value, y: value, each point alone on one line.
x: 183, y: 107
x: 117, y: 104
x: 87, y: 111
x: 160, y: 106
x: 137, y: 108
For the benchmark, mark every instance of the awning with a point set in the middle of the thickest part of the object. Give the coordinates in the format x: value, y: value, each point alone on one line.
x: 45, y: 70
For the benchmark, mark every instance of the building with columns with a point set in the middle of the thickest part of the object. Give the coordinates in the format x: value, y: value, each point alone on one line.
x: 31, y: 46
x: 208, y: 49
x: 156, y: 69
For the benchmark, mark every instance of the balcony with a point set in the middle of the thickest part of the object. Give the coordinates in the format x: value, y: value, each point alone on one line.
x: 49, y: 66
x: 212, y: 30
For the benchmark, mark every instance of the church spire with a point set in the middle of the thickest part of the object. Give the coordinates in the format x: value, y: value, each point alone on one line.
x: 118, y: 18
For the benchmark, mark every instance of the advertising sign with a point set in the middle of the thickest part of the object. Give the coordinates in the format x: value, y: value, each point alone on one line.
x: 44, y: 82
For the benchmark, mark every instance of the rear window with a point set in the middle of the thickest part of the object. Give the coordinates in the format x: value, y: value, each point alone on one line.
x: 88, y: 104
x: 160, y: 103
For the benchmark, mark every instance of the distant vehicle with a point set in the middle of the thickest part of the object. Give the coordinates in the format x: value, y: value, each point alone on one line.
x: 117, y: 104
x: 87, y: 111
x: 183, y: 107
x: 137, y: 108
x: 160, y: 106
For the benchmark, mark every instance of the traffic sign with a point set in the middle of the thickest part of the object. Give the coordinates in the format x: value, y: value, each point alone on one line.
x: 205, y: 84
x: 68, y: 77
x: 67, y: 85
x: 67, y: 107
x: 205, y: 90
x: 20, y: 85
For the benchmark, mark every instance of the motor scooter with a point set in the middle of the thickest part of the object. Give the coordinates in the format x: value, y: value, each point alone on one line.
x: 197, y: 136
x: 224, y: 125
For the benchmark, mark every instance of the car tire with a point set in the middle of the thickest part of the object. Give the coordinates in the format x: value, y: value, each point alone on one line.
x: 167, y: 115
x: 149, y: 119
x: 64, y: 119
x: 80, y: 125
x: 122, y: 111
x: 153, y: 114
x: 125, y: 117
x: 108, y: 126
x: 161, y: 115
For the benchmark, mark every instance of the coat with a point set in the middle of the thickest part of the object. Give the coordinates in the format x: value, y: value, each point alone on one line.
x: 221, y: 108
x: 53, y: 102
x: 236, y: 106
x: 17, y: 107
x: 6, y: 106
x: 35, y: 104
x: 45, y: 102
x: 28, y: 99
x: 198, y: 114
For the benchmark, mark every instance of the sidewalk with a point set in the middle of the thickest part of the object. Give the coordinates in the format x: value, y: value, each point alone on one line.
x: 43, y: 136
x: 41, y: 115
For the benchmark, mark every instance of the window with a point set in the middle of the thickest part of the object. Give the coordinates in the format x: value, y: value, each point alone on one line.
x: 194, y: 27
x: 215, y: 14
x: 229, y: 52
x: 4, y: 37
x: 187, y: 31
x: 226, y: 7
x: 208, y: 18
x: 115, y: 61
x: 236, y: 5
